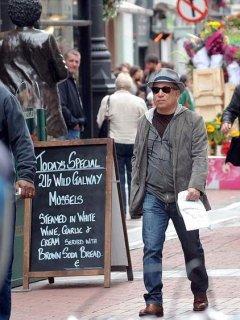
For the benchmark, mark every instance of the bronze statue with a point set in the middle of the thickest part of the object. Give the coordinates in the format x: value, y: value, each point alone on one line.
x: 29, y: 56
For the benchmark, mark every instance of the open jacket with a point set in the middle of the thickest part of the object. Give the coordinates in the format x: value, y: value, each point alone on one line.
x: 189, y: 156
x: 15, y: 136
x: 233, y: 109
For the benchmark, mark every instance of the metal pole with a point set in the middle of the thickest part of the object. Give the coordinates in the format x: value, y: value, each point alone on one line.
x: 84, y: 44
x: 102, y: 78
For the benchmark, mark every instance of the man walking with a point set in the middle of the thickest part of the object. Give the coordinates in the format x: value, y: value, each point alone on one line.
x: 71, y: 102
x: 15, y: 135
x: 170, y: 155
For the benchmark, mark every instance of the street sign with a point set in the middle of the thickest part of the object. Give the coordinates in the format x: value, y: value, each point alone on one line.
x: 192, y: 11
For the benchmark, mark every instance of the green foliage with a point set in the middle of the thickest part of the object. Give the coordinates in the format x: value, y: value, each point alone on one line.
x: 110, y: 8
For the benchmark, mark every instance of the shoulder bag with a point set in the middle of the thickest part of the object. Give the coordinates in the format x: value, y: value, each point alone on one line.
x: 105, y: 127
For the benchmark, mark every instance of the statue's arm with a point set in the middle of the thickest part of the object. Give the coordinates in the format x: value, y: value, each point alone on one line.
x: 58, y: 66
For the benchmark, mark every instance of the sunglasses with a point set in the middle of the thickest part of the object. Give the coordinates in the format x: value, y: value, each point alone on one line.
x: 165, y: 89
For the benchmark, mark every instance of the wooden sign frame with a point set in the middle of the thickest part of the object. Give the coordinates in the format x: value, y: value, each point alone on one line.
x: 111, y: 171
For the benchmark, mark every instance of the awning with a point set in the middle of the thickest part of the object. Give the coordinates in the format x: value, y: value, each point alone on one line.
x: 127, y: 7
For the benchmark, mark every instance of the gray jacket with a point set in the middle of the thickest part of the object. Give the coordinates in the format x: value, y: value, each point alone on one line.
x: 189, y: 154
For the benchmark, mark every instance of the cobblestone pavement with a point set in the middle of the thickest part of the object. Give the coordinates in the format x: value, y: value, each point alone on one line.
x: 84, y: 298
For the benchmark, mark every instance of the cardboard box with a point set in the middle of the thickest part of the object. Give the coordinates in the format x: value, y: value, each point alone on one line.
x: 228, y: 93
x: 209, y: 112
x: 208, y: 101
x: 208, y: 82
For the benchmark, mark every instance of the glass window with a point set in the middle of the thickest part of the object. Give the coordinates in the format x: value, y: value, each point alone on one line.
x: 57, y: 10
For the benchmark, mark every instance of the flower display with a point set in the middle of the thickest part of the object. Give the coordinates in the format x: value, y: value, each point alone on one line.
x: 230, y: 53
x: 209, y: 28
x: 214, y: 132
x: 215, y: 43
x: 220, y: 47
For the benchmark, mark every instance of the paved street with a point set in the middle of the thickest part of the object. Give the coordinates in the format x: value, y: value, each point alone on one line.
x: 85, y: 298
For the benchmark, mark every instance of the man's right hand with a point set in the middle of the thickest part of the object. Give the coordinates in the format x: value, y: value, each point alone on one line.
x: 27, y: 189
x: 226, y: 127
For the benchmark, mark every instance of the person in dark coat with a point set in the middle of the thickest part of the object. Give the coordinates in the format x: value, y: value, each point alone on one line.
x: 232, y: 111
x: 71, y: 102
x: 15, y: 136
x: 30, y: 55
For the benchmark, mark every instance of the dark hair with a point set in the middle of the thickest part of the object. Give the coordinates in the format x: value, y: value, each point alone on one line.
x: 152, y: 58
x: 183, y: 78
x: 168, y: 65
x: 133, y: 70
x: 24, y: 13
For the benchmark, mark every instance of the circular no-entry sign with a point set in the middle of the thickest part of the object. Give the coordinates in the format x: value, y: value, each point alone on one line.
x: 192, y: 10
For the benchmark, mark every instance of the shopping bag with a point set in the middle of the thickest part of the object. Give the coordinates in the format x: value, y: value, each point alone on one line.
x: 105, y: 127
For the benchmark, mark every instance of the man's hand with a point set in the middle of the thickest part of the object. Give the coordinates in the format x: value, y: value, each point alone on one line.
x: 27, y: 189
x: 193, y: 194
x: 226, y: 127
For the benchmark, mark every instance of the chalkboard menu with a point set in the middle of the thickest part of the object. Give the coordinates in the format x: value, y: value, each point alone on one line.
x: 68, y: 211
x: 75, y: 225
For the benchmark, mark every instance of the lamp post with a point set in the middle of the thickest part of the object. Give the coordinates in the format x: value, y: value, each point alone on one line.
x: 102, y: 78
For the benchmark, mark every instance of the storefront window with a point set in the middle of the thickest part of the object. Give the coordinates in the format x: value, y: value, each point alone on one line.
x: 59, y: 10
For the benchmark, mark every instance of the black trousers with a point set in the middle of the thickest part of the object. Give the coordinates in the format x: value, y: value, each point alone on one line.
x: 124, y: 158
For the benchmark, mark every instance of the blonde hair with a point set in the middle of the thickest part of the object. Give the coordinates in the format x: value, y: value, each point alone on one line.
x: 72, y: 51
x: 124, y: 81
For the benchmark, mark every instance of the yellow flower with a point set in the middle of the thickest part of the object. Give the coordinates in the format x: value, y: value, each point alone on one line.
x: 218, y: 120
x: 234, y: 133
x: 214, y: 24
x: 210, y: 128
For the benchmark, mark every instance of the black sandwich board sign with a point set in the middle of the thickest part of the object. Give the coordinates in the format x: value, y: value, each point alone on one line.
x: 75, y: 225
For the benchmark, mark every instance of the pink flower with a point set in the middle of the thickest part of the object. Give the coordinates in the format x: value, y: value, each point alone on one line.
x: 215, y: 43
x: 229, y: 53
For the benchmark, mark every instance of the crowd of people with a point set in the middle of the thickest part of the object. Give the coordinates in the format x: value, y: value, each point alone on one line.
x: 161, y: 144
x: 132, y: 99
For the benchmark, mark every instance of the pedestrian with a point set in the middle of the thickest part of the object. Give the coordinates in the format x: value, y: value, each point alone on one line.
x: 136, y: 74
x: 151, y: 67
x: 170, y: 155
x: 232, y: 111
x: 123, y: 67
x: 29, y: 56
x: 5, y: 211
x: 15, y: 136
x: 124, y: 111
x: 71, y: 102
x: 186, y: 98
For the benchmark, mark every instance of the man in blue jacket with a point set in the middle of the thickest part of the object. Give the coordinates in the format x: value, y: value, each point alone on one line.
x: 15, y: 136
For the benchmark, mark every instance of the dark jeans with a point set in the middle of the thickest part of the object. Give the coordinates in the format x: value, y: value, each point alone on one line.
x: 156, y: 215
x: 124, y: 157
x: 5, y: 291
x: 73, y: 134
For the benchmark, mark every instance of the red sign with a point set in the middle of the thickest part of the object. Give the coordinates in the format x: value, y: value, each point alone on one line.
x: 192, y: 10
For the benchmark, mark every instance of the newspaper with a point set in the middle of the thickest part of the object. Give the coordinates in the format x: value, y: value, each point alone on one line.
x: 194, y: 214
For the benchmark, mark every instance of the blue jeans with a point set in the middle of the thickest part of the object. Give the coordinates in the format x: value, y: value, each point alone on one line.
x: 156, y: 215
x: 124, y: 158
x: 73, y: 134
x: 5, y: 291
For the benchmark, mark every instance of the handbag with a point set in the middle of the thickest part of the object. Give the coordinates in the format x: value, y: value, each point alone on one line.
x: 105, y: 127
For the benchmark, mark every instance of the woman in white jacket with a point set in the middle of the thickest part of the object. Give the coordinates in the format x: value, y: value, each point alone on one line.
x: 124, y: 111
